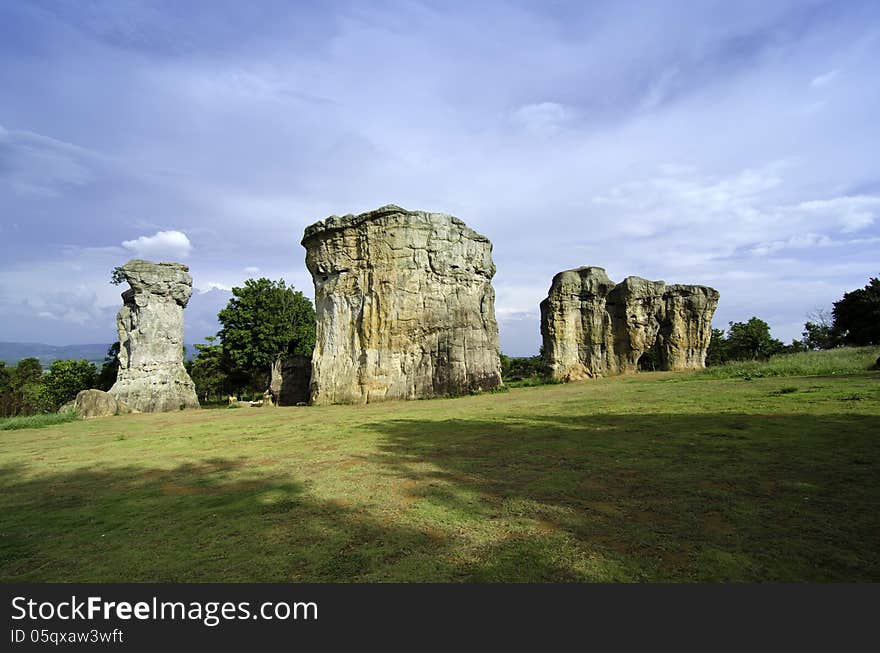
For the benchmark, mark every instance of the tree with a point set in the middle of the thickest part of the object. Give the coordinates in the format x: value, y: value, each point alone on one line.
x: 264, y: 321
x: 818, y: 333
x: 26, y: 388
x: 208, y: 370
x: 117, y: 275
x: 795, y: 347
x: 717, y: 352
x: 28, y: 370
x: 517, y: 368
x: 65, y: 379
x: 857, y: 315
x: 751, y: 340
x: 5, y: 390
x: 110, y: 368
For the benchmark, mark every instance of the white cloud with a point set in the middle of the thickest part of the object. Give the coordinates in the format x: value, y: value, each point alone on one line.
x: 163, y: 244
x: 214, y: 285
x: 823, y: 79
x: 252, y: 269
x: 543, y: 117
x: 798, y: 241
x: 851, y: 212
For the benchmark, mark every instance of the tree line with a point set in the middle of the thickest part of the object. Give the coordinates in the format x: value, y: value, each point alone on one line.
x: 854, y: 321
x: 28, y: 389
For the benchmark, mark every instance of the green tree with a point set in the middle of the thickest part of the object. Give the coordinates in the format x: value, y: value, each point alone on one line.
x: 109, y: 369
x: 517, y: 368
x: 751, y: 340
x: 717, y: 352
x: 117, y: 276
x: 5, y: 390
x: 857, y: 315
x: 26, y: 388
x: 208, y: 370
x: 28, y: 370
x: 65, y: 379
x: 795, y: 347
x: 818, y: 332
x: 264, y: 321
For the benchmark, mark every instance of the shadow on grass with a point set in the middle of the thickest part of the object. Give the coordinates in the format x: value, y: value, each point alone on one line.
x: 724, y: 497
x: 193, y: 523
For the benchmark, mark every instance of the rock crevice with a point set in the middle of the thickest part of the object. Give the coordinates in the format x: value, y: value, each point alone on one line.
x: 593, y: 327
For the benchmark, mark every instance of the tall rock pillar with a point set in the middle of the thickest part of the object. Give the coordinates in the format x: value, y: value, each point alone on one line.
x: 151, y: 375
x: 405, y: 307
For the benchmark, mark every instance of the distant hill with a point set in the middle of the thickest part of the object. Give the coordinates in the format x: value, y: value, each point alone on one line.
x: 12, y: 352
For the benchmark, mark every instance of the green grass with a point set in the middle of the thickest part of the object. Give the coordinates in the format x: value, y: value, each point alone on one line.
x: 35, y: 421
x: 849, y: 360
x: 651, y: 477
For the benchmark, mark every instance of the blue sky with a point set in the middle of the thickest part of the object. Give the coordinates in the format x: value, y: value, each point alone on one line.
x: 727, y: 143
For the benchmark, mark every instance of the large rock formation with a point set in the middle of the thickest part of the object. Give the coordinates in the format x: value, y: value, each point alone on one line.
x: 593, y: 327
x: 151, y: 375
x: 405, y: 307
x: 97, y: 403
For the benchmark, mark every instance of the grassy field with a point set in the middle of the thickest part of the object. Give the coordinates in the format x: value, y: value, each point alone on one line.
x: 654, y: 477
x: 809, y: 363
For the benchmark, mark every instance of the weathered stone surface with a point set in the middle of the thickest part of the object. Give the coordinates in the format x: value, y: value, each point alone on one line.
x: 289, y: 384
x: 686, y: 327
x: 151, y: 375
x: 593, y: 327
x: 97, y: 403
x: 405, y: 307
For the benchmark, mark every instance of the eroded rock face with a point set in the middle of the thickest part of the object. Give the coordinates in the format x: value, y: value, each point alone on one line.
x: 405, y: 307
x: 97, y: 403
x: 151, y: 375
x: 593, y: 327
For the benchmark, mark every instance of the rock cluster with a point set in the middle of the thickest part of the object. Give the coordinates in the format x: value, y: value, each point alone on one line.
x: 151, y: 375
x: 593, y: 327
x: 405, y: 307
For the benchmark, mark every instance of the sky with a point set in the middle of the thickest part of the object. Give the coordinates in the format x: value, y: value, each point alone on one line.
x: 732, y: 144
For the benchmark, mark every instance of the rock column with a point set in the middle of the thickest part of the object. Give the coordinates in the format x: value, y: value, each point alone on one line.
x: 405, y: 307
x: 151, y: 375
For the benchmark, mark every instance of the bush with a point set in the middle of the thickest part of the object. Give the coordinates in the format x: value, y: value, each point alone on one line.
x: 65, y: 380
x: 515, y: 368
x: 36, y: 421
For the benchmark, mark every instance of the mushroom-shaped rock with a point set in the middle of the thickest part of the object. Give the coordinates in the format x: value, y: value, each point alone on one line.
x: 151, y: 375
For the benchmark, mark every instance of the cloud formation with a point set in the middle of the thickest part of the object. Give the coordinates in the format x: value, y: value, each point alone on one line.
x: 163, y: 245
x: 694, y: 142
